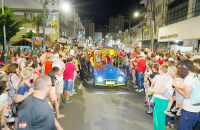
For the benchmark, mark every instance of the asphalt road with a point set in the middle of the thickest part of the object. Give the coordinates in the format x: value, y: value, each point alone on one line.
x: 104, y: 108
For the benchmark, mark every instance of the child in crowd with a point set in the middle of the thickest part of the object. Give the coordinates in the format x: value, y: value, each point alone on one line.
x: 59, y: 78
x: 53, y: 93
x: 146, y: 81
x: 158, y: 82
x: 179, y: 83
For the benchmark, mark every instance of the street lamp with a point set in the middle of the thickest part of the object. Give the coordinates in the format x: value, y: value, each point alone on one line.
x: 136, y: 14
x: 66, y: 7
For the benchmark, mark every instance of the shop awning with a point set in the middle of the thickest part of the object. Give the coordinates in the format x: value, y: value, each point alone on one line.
x: 50, y: 43
x: 27, y: 42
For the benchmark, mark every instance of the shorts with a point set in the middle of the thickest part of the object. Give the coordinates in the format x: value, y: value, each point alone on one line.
x: 60, y: 88
x: 179, y: 98
x: 53, y: 97
x: 68, y: 85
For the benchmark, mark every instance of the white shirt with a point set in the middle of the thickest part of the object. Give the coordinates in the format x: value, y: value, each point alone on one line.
x: 171, y: 59
x: 71, y: 52
x: 170, y: 90
x: 22, y: 63
x: 187, y: 104
x: 142, y: 54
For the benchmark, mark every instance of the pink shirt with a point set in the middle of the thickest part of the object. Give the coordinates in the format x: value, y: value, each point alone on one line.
x: 69, y: 71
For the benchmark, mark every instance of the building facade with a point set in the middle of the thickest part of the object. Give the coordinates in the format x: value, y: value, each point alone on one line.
x: 116, y: 24
x: 67, y: 25
x: 89, y: 26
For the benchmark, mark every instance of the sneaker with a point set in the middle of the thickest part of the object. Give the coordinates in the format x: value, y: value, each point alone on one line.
x: 141, y: 90
x: 174, y: 109
x: 61, y: 107
x: 135, y: 86
x: 74, y: 92
x: 69, y: 101
x: 150, y: 113
x: 80, y: 86
x: 169, y: 113
x: 178, y: 112
x: 71, y: 94
x: 146, y: 103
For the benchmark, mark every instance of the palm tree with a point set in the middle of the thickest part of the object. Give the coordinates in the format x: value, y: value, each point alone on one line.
x: 37, y: 21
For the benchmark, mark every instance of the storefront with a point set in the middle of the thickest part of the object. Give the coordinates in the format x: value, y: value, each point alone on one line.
x: 184, y: 35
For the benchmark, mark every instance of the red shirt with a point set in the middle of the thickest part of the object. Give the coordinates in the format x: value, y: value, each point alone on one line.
x: 69, y: 71
x: 48, y: 66
x: 141, y: 65
x: 160, y: 62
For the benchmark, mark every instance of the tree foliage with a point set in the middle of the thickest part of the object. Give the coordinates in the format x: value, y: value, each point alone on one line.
x: 29, y: 34
x: 12, y: 25
x: 37, y: 21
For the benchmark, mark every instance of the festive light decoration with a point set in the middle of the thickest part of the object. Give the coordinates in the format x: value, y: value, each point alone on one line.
x: 50, y: 21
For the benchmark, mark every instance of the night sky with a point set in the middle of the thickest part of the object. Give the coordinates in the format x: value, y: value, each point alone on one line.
x: 101, y: 10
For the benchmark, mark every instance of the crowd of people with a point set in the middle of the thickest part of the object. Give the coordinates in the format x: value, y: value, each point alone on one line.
x: 32, y: 83
x: 169, y: 81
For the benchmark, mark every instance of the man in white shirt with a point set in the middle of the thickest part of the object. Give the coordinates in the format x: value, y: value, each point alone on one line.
x: 190, y: 114
x: 20, y: 60
x: 71, y: 52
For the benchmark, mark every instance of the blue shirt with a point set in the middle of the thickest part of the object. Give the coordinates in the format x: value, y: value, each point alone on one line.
x: 23, y: 89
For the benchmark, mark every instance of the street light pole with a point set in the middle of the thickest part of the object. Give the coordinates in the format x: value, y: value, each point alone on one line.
x: 44, y: 25
x: 153, y: 26
x: 4, y: 28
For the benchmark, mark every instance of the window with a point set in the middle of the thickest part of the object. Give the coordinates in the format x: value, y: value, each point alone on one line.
x: 177, y: 11
x: 197, y: 8
x: 29, y: 15
x: 158, y: 9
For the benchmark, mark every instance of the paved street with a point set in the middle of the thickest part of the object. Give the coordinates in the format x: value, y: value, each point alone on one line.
x: 104, y: 108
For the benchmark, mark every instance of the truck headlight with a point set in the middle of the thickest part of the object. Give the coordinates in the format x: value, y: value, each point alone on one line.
x: 120, y: 79
x: 100, y: 79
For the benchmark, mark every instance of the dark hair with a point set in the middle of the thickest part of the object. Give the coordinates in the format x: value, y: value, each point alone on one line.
x: 165, y: 60
x: 182, y: 72
x: 162, y: 55
x: 28, y: 62
x: 155, y: 66
x: 51, y: 74
x: 70, y: 59
x: 34, y: 58
x: 60, y: 56
x: 142, y: 50
x: 55, y: 69
x: 56, y: 48
x: 196, y: 61
x: 167, y: 55
x: 1, y: 66
x: 19, y: 54
x: 195, y: 70
x: 34, y: 65
x: 187, y: 63
x: 12, y: 68
x: 171, y: 63
x: 3, y: 86
x: 128, y: 55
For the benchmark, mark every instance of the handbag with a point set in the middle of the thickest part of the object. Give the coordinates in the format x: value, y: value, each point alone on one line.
x: 194, y: 97
x: 14, y: 108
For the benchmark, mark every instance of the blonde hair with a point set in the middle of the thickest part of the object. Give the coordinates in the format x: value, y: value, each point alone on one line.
x: 27, y: 72
x: 163, y: 68
x: 172, y: 70
x: 49, y: 55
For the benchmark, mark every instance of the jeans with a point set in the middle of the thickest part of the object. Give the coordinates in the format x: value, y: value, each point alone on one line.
x: 187, y: 120
x: 140, y: 80
x: 136, y: 76
x: 127, y: 70
x: 150, y: 106
x: 170, y: 119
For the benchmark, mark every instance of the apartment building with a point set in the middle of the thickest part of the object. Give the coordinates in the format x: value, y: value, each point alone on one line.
x: 116, y: 24
x: 89, y: 26
x: 67, y: 24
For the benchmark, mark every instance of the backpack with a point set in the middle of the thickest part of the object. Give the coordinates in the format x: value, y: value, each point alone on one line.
x: 194, y: 97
